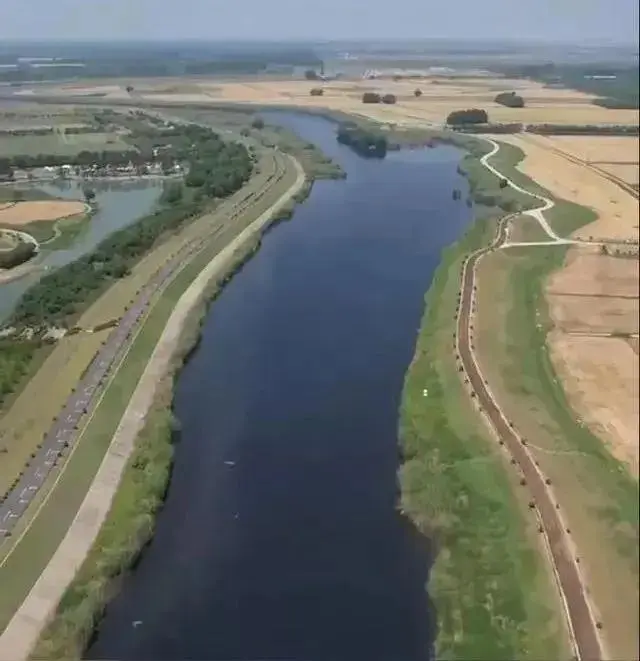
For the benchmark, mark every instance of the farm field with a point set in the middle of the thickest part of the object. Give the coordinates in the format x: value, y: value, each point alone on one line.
x: 440, y: 96
x: 23, y: 213
x: 616, y: 209
x: 60, y: 144
x: 597, y: 494
x: 596, y: 148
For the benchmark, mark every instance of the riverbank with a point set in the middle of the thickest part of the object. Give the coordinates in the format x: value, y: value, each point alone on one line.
x: 456, y: 485
x: 76, y: 619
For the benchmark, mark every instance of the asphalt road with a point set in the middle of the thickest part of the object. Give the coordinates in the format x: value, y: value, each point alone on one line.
x: 63, y: 433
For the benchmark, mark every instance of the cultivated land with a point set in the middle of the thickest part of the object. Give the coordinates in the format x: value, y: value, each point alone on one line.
x: 440, y: 96
x: 60, y: 144
x: 23, y: 213
x: 445, y: 474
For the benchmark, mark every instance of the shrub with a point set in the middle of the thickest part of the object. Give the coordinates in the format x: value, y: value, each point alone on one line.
x: 317, y: 91
x: 469, y: 116
x: 389, y: 98
x: 510, y: 99
x: 371, y: 97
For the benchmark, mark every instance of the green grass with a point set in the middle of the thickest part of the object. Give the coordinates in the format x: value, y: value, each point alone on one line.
x: 60, y: 145
x: 489, y: 584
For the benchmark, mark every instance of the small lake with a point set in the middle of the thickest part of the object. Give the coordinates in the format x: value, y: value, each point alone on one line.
x: 280, y: 537
x: 119, y: 205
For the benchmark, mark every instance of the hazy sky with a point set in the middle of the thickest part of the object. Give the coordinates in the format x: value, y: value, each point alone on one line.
x: 556, y: 20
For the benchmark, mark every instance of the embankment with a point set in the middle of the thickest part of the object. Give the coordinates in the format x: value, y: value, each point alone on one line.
x: 79, y: 587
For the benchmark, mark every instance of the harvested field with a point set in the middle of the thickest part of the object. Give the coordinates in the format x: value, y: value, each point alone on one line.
x: 440, y: 97
x: 592, y: 296
x: 617, y: 210
x: 626, y: 172
x: 597, y: 148
x: 23, y: 213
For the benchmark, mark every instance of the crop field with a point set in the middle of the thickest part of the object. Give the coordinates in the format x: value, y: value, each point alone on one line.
x: 23, y: 213
x: 60, y: 144
x: 616, y: 209
x: 440, y: 95
x: 522, y: 353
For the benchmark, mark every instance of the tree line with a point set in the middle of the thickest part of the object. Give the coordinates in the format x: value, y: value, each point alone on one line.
x: 219, y: 170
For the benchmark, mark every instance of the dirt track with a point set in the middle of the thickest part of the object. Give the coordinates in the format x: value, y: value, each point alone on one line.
x: 582, y: 626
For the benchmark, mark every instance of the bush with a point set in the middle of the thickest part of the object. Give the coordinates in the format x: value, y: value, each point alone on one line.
x: 510, y: 99
x: 389, y: 98
x: 258, y: 123
x: 469, y: 116
x: 310, y: 74
x: 371, y: 97
x: 317, y: 91
x: 417, y: 93
x: 365, y: 143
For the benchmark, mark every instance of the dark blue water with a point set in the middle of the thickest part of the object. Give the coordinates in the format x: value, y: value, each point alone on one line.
x: 297, y: 551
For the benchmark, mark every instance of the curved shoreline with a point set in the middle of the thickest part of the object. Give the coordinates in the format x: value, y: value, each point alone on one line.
x: 21, y: 635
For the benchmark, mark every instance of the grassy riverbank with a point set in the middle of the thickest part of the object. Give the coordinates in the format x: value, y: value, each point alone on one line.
x: 490, y: 582
x: 490, y: 585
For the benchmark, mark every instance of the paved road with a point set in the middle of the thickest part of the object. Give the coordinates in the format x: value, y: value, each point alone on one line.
x: 580, y: 618
x: 63, y: 433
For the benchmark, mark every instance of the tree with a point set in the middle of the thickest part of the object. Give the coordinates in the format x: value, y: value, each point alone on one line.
x: 310, y: 74
x: 258, y: 123
x: 510, y: 99
x: 389, y: 98
x: 417, y: 93
x: 469, y: 116
x: 317, y: 91
x: 371, y: 97
x: 89, y: 195
x: 129, y: 88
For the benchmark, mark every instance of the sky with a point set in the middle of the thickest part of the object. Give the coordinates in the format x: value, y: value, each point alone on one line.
x: 554, y: 20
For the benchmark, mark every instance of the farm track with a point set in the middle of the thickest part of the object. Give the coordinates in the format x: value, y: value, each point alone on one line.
x: 60, y: 439
x: 581, y: 621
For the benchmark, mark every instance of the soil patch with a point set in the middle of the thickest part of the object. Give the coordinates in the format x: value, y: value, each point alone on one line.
x: 23, y: 213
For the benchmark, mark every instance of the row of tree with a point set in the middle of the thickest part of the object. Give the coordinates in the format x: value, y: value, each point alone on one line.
x: 374, y: 97
x: 218, y: 169
x: 583, y: 129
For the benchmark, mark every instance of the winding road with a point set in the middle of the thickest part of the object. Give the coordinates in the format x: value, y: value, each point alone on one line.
x: 582, y: 623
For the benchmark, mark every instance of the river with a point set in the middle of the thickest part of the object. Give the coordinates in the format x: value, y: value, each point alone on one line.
x: 294, y: 548
x: 119, y: 205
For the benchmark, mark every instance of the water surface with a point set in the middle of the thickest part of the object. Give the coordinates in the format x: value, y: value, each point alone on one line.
x: 280, y: 537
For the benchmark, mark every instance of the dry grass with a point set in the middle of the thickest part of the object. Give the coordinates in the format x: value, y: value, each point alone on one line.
x: 617, y: 210
x: 440, y: 97
x: 598, y: 295
x: 585, y: 481
x: 23, y: 213
x: 597, y: 148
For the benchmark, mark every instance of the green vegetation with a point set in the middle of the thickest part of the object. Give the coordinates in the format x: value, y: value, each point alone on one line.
x: 583, y: 129
x: 22, y: 252
x: 469, y: 116
x: 60, y: 149
x: 510, y: 99
x: 616, y: 86
x: 490, y: 586
x: 363, y: 142
x: 371, y: 97
x: 316, y: 91
x: 15, y: 359
x: 217, y: 169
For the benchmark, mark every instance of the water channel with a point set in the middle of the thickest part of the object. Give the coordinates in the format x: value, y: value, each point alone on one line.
x: 119, y: 205
x: 280, y: 537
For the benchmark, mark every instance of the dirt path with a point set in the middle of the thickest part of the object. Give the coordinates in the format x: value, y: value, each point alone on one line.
x: 23, y: 631
x: 582, y: 623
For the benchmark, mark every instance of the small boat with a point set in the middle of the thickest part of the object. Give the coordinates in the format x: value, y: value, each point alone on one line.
x: 230, y: 463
